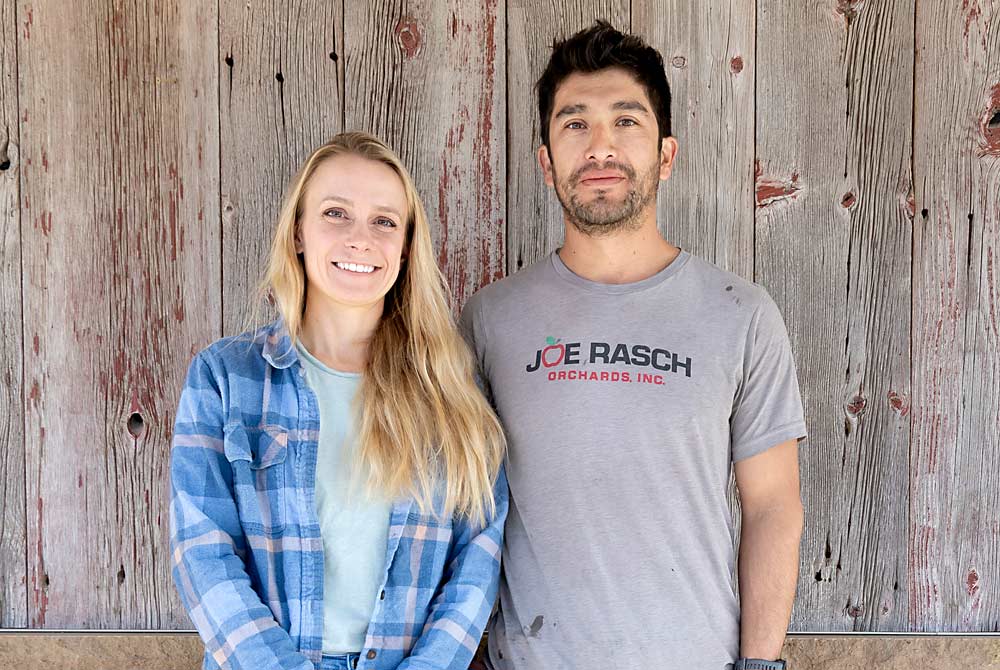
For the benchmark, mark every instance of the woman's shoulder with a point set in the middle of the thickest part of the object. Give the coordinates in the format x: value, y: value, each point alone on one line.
x: 250, y: 350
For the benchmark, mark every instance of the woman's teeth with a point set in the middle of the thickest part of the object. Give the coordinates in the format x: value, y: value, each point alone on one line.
x: 355, y: 267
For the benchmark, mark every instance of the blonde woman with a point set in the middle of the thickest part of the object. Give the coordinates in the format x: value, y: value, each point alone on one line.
x: 337, y: 498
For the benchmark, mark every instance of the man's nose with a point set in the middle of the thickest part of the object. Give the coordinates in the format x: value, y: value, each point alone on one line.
x: 601, y: 146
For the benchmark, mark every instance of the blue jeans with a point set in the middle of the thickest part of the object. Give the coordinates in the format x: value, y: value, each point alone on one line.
x: 339, y: 662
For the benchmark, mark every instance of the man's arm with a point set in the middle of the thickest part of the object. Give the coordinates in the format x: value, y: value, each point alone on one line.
x: 772, y: 516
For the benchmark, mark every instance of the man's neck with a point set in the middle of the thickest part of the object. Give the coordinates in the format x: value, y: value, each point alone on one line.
x: 622, y: 257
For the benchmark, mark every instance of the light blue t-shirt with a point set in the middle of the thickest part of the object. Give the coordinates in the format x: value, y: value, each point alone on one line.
x: 354, y: 525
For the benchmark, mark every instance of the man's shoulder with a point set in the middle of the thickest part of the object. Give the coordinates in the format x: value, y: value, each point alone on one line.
x: 714, y: 280
x: 513, y: 288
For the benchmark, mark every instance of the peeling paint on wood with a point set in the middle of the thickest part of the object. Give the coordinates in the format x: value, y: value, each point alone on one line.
x: 408, y: 38
x: 849, y: 9
x: 104, y: 274
x: 13, y: 508
x: 989, y: 125
x: 770, y: 191
x: 457, y: 158
x: 954, y: 460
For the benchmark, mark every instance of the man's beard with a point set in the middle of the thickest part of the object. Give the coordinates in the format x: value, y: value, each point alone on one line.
x: 602, y: 216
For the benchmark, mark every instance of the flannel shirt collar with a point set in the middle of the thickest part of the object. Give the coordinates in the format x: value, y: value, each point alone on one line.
x: 278, y: 349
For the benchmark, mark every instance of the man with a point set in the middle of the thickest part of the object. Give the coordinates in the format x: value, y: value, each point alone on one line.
x: 629, y: 375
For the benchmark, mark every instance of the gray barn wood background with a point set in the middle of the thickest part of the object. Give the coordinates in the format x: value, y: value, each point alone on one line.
x: 843, y: 153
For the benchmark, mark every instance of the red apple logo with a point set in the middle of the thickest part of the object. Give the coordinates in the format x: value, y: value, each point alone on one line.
x: 554, y: 348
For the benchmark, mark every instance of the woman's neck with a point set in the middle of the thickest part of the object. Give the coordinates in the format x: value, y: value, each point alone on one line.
x: 339, y: 335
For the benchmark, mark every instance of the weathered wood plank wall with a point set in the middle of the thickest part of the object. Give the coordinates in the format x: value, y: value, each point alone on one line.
x: 13, y: 606
x: 120, y: 274
x: 833, y: 247
x: 954, y: 474
x: 149, y: 146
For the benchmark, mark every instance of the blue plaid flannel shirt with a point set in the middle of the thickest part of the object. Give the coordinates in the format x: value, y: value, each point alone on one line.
x: 245, y: 540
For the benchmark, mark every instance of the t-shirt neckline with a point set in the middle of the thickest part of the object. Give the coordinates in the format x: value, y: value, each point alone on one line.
x: 617, y: 289
x: 316, y: 364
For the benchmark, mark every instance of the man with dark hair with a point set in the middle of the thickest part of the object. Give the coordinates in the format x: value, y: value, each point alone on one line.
x: 630, y: 376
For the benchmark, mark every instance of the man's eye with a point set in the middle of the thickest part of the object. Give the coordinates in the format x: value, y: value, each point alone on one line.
x: 575, y: 125
x: 627, y: 122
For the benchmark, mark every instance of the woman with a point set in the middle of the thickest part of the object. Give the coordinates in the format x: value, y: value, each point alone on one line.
x: 337, y: 495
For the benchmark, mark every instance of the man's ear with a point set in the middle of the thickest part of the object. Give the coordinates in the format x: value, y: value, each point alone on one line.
x: 545, y: 162
x: 668, y: 155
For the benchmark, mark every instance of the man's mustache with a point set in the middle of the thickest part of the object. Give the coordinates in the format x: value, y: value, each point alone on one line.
x: 581, y: 173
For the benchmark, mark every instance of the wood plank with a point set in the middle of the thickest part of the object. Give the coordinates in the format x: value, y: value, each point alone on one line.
x: 834, y: 91
x: 119, y: 133
x: 13, y: 580
x: 707, y: 205
x: 281, y: 91
x: 533, y: 211
x: 428, y: 78
x: 954, y: 551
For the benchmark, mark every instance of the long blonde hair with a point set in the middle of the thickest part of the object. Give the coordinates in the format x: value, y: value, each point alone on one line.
x: 424, y: 427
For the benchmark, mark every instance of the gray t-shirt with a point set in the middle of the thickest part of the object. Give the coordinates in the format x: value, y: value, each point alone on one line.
x: 624, y: 406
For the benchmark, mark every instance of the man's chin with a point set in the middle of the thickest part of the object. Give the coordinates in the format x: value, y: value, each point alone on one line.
x: 600, y: 227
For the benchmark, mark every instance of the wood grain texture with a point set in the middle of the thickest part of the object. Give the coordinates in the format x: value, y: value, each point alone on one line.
x: 534, y: 213
x: 708, y: 50
x: 834, y: 93
x: 13, y: 579
x: 281, y: 92
x: 119, y: 202
x: 428, y: 77
x: 954, y: 548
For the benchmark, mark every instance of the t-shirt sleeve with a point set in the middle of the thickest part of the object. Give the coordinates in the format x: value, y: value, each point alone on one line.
x: 767, y: 408
x: 470, y: 324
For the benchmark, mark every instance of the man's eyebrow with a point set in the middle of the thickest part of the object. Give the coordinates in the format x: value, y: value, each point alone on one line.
x: 621, y: 105
x: 568, y: 110
x: 630, y: 105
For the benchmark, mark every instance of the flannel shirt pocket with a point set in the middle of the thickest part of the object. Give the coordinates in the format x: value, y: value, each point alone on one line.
x: 258, y: 456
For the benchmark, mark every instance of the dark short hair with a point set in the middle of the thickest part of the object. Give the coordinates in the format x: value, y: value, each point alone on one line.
x: 597, y: 48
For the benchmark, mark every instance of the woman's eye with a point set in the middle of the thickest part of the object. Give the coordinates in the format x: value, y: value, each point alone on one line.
x: 335, y: 213
x: 386, y: 223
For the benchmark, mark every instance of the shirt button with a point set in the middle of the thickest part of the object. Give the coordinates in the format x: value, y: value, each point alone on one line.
x: 381, y: 596
x: 371, y: 654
